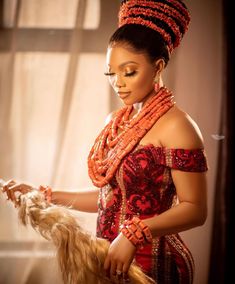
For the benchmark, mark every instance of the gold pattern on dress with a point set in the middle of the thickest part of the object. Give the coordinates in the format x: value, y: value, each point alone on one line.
x: 168, y: 157
x: 119, y: 178
x: 106, y: 194
x: 155, y: 247
x: 165, y: 181
x: 167, y: 260
x: 186, y: 255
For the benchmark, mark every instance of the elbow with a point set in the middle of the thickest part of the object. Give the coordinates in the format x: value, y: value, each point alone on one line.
x: 201, y: 217
x: 201, y: 221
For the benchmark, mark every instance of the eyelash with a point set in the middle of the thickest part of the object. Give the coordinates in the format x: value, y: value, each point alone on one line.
x: 126, y: 75
x: 130, y: 74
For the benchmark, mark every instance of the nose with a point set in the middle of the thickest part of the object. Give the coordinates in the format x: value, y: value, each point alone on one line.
x: 119, y: 82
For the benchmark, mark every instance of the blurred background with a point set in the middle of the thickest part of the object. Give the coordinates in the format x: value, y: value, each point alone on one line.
x: 54, y: 100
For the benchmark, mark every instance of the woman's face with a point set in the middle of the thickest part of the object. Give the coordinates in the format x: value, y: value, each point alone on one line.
x: 130, y: 74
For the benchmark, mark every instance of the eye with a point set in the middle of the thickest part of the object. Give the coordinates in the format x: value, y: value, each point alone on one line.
x: 129, y: 74
x: 109, y: 74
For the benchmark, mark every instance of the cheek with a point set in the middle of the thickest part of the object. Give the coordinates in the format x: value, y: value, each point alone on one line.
x: 144, y: 83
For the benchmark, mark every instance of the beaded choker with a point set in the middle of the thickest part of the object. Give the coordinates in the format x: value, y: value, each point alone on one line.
x: 121, y: 135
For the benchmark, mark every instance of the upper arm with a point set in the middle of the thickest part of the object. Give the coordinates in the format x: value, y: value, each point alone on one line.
x: 191, y: 187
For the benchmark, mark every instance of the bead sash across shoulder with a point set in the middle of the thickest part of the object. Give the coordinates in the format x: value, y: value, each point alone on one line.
x: 112, y: 145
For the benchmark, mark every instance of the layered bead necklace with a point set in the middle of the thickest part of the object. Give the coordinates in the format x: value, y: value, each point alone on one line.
x: 122, y: 134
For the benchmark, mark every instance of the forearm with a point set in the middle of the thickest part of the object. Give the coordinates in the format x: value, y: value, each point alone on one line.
x: 182, y: 217
x: 85, y: 201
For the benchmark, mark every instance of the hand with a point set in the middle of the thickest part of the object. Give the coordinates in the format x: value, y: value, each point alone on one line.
x: 13, y: 189
x: 120, y: 256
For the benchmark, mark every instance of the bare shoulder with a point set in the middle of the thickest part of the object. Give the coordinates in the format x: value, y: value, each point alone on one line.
x: 179, y: 130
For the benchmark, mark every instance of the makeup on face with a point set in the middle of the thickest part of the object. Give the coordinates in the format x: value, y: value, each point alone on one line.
x: 130, y: 74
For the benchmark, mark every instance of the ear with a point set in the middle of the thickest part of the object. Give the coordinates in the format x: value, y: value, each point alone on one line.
x: 160, y: 65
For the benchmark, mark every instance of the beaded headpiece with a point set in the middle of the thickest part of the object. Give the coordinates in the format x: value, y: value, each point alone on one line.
x: 170, y: 18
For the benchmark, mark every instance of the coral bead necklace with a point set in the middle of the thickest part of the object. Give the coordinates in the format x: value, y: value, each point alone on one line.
x: 122, y: 134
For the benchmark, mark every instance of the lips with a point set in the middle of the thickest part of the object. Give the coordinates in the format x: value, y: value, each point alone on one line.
x: 123, y: 95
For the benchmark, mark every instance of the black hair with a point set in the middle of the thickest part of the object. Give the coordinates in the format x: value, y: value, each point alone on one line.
x: 142, y: 40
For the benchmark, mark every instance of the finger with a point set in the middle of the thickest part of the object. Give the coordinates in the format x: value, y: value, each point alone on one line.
x: 107, y: 266
x: 125, y: 267
x: 7, y: 184
x: 113, y: 268
x: 6, y: 190
x: 125, y: 278
x: 119, y: 271
x: 21, y: 188
x: 10, y: 189
x: 11, y: 193
x: 12, y: 196
x: 125, y: 270
x: 16, y: 187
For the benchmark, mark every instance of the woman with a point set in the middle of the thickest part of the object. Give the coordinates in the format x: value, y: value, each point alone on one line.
x: 148, y: 163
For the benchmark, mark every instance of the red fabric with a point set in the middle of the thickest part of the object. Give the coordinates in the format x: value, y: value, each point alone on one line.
x: 143, y: 187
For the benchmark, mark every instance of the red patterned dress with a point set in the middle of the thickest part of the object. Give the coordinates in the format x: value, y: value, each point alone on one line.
x: 143, y: 187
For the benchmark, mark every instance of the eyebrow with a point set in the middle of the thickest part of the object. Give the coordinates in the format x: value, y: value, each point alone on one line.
x: 125, y: 63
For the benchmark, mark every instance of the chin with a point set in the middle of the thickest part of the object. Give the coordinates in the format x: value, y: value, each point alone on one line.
x: 131, y: 101
x: 128, y: 101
